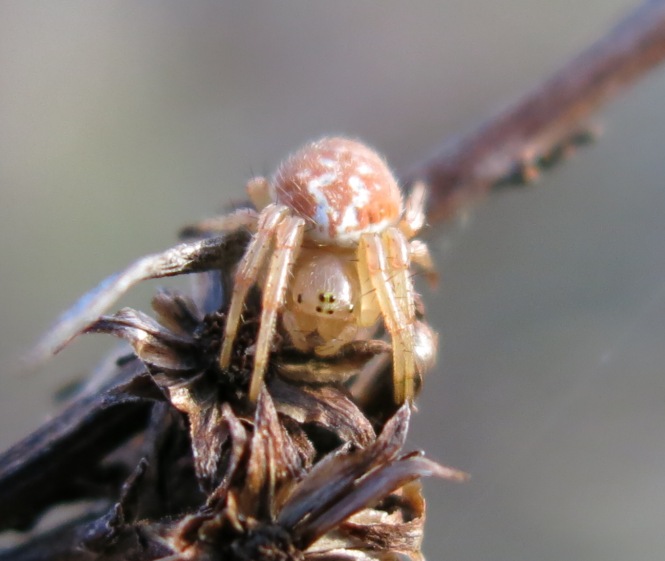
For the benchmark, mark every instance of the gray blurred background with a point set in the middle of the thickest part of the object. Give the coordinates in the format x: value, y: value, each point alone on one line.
x: 120, y: 121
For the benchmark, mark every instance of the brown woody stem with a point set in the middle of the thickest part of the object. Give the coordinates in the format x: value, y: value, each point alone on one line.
x: 545, y: 119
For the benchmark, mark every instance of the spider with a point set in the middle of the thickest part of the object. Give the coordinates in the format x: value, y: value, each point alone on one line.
x: 331, y: 248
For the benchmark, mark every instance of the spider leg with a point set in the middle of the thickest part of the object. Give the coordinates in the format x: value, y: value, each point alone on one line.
x: 414, y: 211
x: 190, y: 257
x: 398, y: 250
x: 246, y: 273
x: 288, y: 240
x: 242, y: 218
x: 396, y: 309
x: 258, y: 190
x: 420, y: 255
x: 398, y: 260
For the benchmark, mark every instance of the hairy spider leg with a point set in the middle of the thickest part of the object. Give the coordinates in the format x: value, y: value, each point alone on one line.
x: 398, y: 263
x: 373, y: 263
x: 411, y: 223
x: 258, y: 190
x: 413, y: 219
x: 420, y: 255
x: 246, y: 273
x: 288, y: 240
x: 246, y: 218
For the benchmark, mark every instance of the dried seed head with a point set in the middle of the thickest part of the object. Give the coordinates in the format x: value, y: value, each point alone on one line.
x: 341, y: 187
x: 356, y: 503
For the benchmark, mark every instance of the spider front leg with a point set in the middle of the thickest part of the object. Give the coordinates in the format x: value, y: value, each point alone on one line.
x: 246, y: 273
x: 411, y: 224
x: 399, y: 260
x: 288, y: 240
x: 414, y: 211
x: 420, y: 255
x: 242, y: 218
x: 384, y: 260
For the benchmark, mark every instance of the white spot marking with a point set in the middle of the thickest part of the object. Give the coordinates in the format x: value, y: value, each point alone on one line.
x: 322, y: 213
x: 364, y: 169
x: 349, y: 221
x: 350, y: 238
x: 360, y: 191
x: 356, y: 183
x: 314, y: 185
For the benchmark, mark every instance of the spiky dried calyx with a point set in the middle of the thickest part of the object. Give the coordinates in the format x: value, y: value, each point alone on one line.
x: 303, y: 476
x: 355, y: 503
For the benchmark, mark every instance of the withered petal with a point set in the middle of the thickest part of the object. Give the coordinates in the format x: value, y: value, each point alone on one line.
x: 404, y: 537
x: 326, y: 406
x: 335, y: 475
x: 153, y: 344
x: 176, y: 311
x: 209, y: 432
x: 134, y: 319
x: 273, y: 460
x: 238, y: 439
x: 305, y: 447
x: 370, y: 489
x: 393, y: 436
x: 400, y: 528
x: 190, y: 257
x: 343, y: 484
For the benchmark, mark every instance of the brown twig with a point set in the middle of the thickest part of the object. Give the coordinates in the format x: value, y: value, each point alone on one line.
x: 513, y: 143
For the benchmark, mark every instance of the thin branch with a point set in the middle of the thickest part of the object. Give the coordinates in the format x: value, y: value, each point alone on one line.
x: 535, y: 129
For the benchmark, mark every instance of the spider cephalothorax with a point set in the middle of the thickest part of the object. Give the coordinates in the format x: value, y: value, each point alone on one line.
x: 332, y: 253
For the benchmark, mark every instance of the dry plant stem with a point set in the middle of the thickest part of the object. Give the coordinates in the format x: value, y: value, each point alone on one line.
x: 467, y: 167
x: 59, y: 462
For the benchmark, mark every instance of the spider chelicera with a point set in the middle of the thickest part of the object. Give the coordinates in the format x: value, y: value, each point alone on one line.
x: 331, y: 249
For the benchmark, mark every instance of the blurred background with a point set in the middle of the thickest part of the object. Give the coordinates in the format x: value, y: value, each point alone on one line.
x: 120, y: 121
